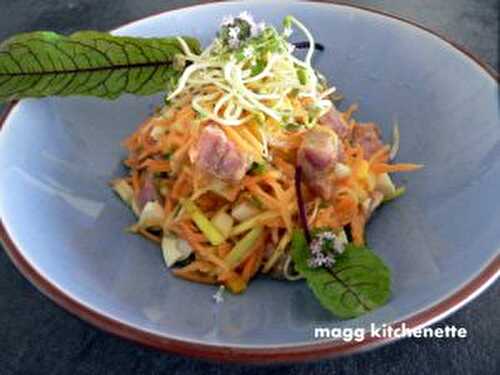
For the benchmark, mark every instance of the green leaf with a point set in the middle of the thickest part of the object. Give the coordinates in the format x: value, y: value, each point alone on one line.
x: 358, y: 282
x: 90, y: 63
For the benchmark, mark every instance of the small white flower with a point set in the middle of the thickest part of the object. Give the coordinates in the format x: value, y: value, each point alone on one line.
x: 287, y: 32
x: 321, y: 260
x: 256, y: 29
x: 248, y: 52
x: 227, y: 20
x: 234, y: 32
x: 246, y: 16
x: 318, y: 256
x: 316, y: 246
x: 234, y: 40
x: 326, y: 236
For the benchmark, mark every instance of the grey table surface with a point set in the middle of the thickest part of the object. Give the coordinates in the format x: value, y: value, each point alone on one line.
x: 38, y: 337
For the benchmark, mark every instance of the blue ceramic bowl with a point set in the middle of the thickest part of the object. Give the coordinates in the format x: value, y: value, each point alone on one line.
x: 64, y: 227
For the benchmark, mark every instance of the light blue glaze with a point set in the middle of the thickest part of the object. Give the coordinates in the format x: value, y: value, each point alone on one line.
x: 57, y: 155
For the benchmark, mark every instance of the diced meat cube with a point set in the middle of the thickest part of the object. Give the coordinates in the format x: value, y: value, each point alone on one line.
x: 368, y: 137
x: 219, y: 156
x: 317, y: 156
x: 334, y: 120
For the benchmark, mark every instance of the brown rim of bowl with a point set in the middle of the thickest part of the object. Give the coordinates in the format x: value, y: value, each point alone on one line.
x: 258, y: 355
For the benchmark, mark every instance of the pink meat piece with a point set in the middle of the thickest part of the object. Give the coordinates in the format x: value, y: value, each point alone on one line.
x: 147, y: 193
x: 333, y: 119
x: 219, y: 156
x: 368, y: 137
x: 317, y: 156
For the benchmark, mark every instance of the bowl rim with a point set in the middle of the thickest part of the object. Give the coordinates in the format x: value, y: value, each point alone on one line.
x: 300, y: 353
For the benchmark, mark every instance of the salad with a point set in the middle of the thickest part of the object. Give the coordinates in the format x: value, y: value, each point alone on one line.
x: 250, y: 168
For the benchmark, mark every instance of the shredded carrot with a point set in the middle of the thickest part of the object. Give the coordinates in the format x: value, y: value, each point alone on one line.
x: 380, y: 156
x: 173, y: 140
x: 236, y: 137
x: 236, y: 284
x: 168, y: 206
x: 284, y: 167
x: 180, y: 154
x: 181, y: 187
x: 274, y: 223
x: 327, y: 218
x: 390, y: 168
x: 345, y: 209
x: 224, y: 249
x: 132, y: 139
x: 203, y: 250
x: 358, y: 229
x: 196, y: 277
x: 136, y: 182
x: 185, y: 116
x: 166, y: 147
x: 209, y: 201
x: 150, y: 150
x: 249, y: 266
x: 197, y: 265
x: 264, y: 197
x: 274, y: 235
x: 155, y: 165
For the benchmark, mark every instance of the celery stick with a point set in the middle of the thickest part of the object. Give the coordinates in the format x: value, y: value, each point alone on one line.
x: 242, y: 248
x: 203, y: 223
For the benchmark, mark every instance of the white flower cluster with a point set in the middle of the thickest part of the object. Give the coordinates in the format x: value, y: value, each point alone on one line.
x: 234, y: 30
x: 318, y: 256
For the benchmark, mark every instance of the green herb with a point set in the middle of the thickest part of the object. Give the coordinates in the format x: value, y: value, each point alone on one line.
x: 357, y: 283
x: 258, y: 168
x: 294, y: 93
x: 293, y: 127
x: 258, y: 68
x: 89, y: 63
x: 260, y: 118
x: 302, y: 76
x: 287, y: 22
